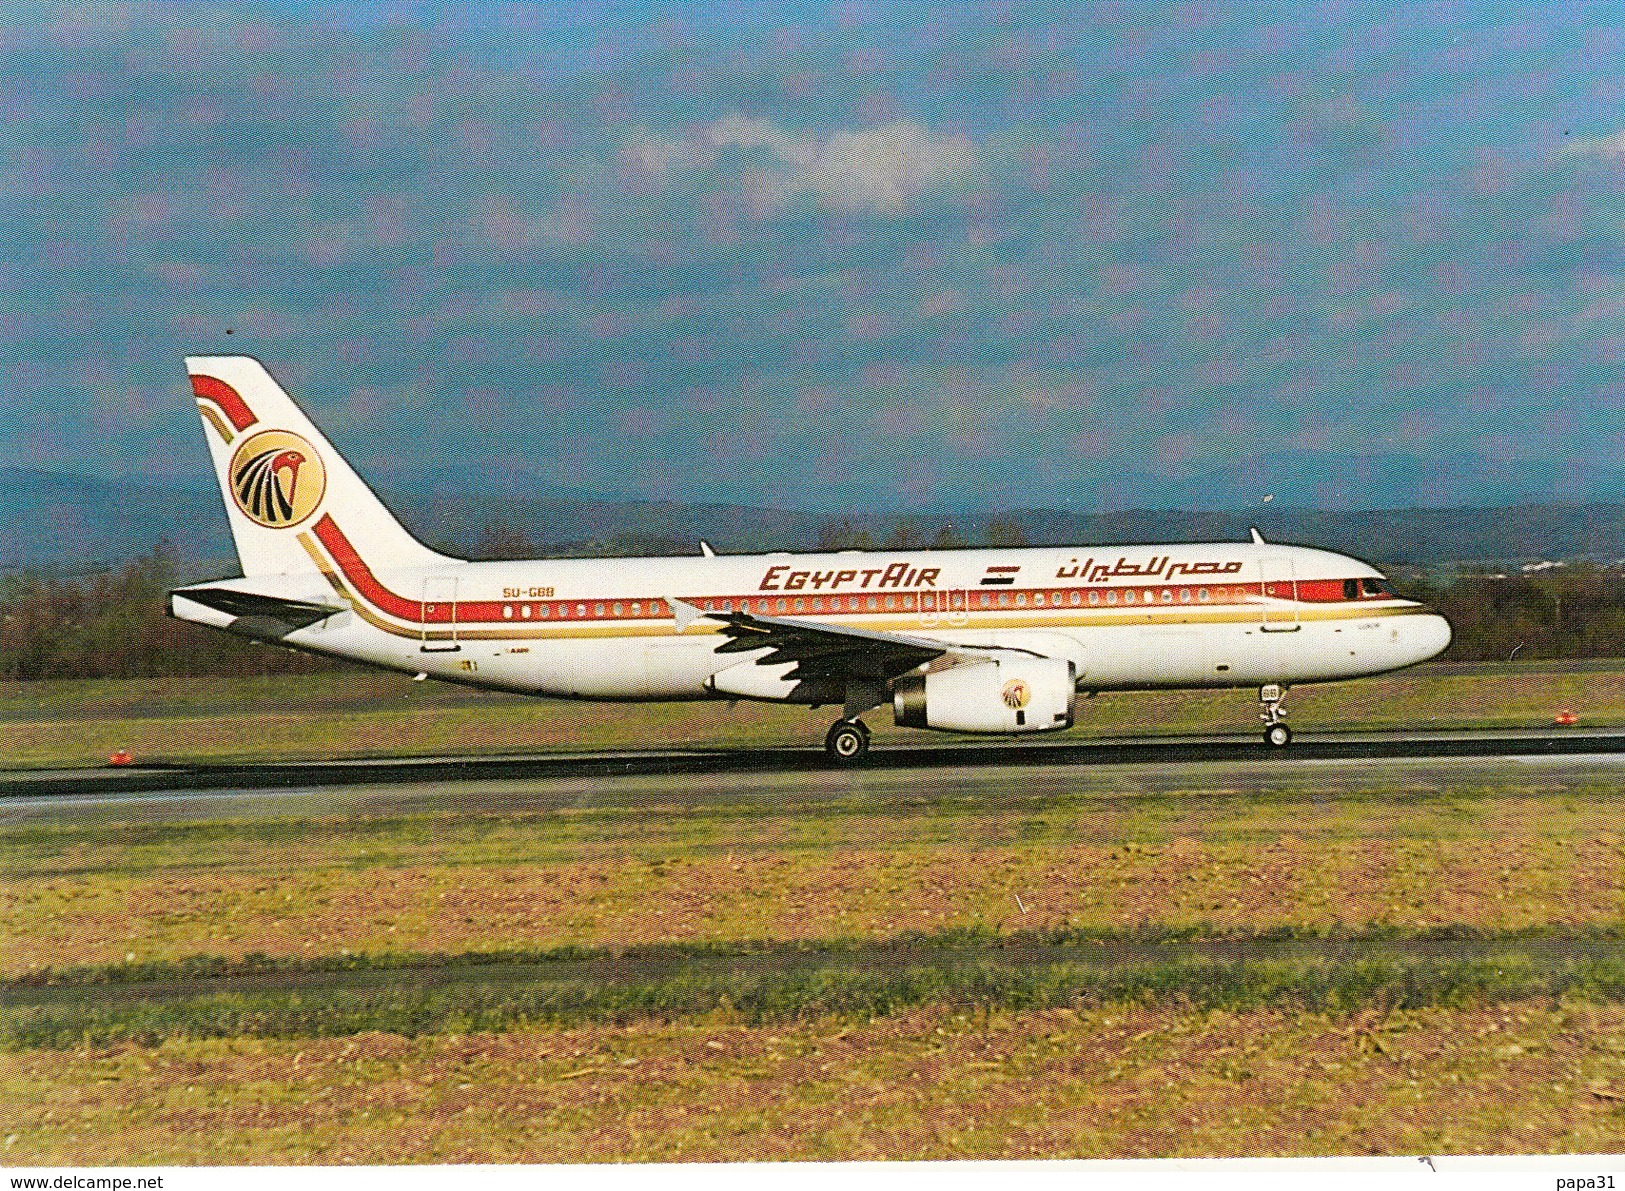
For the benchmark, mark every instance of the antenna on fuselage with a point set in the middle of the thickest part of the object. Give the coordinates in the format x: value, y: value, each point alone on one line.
x: 705, y: 549
x: 1258, y: 538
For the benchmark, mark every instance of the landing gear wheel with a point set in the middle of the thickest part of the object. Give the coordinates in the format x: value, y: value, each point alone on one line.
x: 847, y: 742
x: 1276, y: 734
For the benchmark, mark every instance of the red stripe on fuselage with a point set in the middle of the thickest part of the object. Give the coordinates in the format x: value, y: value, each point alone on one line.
x: 213, y: 389
x: 360, y: 574
x: 355, y: 569
x: 474, y: 612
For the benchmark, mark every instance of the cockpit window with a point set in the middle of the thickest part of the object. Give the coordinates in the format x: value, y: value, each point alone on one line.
x: 1351, y: 589
x: 1375, y: 587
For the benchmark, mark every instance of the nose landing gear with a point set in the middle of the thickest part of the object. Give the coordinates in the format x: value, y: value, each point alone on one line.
x: 847, y: 742
x: 1276, y: 734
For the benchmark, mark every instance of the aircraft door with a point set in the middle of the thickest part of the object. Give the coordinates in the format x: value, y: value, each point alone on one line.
x: 943, y: 607
x: 437, y: 626
x: 1280, y: 583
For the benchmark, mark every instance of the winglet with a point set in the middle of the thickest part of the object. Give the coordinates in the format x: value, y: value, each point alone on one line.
x: 683, y: 612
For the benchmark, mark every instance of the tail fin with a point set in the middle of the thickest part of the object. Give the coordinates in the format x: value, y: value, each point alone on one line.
x: 283, y: 483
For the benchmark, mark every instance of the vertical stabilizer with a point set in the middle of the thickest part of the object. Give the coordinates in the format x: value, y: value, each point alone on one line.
x: 283, y: 482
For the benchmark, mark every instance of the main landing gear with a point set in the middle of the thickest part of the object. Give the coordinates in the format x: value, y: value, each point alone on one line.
x: 1276, y: 734
x: 847, y: 742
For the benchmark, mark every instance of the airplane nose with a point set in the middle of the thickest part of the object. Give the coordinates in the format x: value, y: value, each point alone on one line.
x: 1430, y: 635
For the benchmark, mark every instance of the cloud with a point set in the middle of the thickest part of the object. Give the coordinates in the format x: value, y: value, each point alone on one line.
x: 508, y: 225
x: 647, y: 156
x: 884, y: 167
x: 1605, y: 148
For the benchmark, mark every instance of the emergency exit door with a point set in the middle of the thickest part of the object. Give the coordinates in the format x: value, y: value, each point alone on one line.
x: 943, y: 607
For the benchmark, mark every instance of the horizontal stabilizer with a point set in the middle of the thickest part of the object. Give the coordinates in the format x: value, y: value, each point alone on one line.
x: 262, y: 617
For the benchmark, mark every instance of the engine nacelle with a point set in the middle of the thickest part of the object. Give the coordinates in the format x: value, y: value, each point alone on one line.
x: 1003, y: 695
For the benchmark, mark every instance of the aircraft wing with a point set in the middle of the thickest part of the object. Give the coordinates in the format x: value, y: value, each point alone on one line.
x: 856, y: 666
x: 823, y: 651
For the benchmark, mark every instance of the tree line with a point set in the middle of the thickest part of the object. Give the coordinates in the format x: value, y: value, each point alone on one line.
x: 1573, y: 612
x: 113, y: 624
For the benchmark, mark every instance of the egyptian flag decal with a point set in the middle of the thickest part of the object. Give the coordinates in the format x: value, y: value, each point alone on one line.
x: 277, y: 479
x: 1000, y: 576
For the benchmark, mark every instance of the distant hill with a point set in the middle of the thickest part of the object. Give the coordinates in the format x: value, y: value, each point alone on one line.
x: 72, y: 522
x: 1310, y: 480
x: 77, y: 522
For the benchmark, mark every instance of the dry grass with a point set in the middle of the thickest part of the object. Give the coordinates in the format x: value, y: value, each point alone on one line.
x: 1497, y: 865
x: 1128, y: 1081
x: 480, y: 725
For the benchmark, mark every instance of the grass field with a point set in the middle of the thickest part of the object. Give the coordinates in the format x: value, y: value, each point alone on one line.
x: 365, y: 713
x: 1106, y: 972
x: 1117, y: 1081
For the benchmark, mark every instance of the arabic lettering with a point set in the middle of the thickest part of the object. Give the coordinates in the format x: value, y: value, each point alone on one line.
x: 1158, y: 566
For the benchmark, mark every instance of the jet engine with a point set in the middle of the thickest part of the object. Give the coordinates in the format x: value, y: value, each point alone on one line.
x: 1004, y: 694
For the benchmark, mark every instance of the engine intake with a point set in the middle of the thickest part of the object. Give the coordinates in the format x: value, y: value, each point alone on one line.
x: 1001, y: 695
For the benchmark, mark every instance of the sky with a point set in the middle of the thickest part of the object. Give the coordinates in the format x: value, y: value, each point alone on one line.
x: 833, y: 256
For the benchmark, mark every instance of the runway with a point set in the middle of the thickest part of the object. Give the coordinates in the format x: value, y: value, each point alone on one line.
x: 1405, y: 764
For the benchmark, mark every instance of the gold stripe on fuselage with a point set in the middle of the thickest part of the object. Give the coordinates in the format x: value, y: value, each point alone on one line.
x: 356, y: 603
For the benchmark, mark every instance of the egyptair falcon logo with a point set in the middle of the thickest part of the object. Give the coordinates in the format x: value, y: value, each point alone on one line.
x: 277, y: 479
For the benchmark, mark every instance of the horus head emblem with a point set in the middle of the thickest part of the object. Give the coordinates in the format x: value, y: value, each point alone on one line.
x: 1017, y: 694
x: 289, y: 461
x: 276, y: 482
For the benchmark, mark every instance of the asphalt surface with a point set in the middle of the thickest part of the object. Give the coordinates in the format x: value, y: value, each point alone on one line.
x: 988, y: 773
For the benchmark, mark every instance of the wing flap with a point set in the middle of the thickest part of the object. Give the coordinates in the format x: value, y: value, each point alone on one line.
x: 820, y: 651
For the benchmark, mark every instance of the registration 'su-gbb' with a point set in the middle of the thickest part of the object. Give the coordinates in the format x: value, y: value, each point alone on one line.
x: 990, y: 641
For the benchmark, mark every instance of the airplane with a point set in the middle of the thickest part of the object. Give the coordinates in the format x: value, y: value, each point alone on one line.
x: 989, y: 641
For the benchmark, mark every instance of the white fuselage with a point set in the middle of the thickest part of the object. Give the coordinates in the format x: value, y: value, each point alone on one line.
x: 1202, y: 615
x: 987, y: 641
